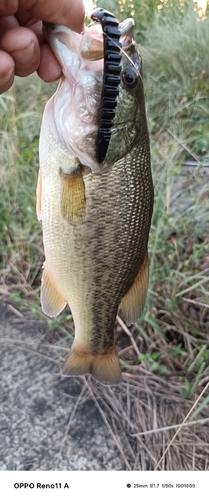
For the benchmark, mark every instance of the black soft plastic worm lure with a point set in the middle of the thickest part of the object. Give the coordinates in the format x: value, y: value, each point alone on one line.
x: 111, y: 79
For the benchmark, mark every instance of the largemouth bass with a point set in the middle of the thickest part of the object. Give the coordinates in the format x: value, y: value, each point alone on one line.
x: 95, y: 217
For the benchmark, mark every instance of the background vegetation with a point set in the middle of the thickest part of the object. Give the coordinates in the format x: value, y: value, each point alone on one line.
x: 171, y: 339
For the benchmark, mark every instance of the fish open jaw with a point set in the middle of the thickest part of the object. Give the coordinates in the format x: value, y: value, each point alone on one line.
x: 91, y: 64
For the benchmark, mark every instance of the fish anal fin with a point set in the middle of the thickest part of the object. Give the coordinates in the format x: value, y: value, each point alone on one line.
x: 38, y: 195
x: 133, y: 302
x: 103, y: 367
x: 52, y: 301
x: 73, y: 201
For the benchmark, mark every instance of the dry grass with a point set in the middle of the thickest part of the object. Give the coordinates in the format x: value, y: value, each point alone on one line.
x: 144, y: 415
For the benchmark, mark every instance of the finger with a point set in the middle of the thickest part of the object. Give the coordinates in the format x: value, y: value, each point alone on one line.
x: 7, y: 23
x: 37, y: 28
x: 7, y: 67
x: 49, y: 69
x: 8, y: 7
x: 23, y: 47
x: 70, y: 12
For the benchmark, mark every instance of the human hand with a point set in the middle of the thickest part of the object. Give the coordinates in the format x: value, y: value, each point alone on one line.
x: 23, y: 48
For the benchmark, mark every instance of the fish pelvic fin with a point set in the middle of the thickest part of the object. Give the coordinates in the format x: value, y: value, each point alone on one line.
x: 133, y: 302
x: 52, y: 302
x: 38, y: 195
x: 73, y: 201
x: 103, y: 367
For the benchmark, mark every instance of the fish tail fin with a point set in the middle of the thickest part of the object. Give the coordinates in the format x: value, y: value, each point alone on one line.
x: 103, y: 367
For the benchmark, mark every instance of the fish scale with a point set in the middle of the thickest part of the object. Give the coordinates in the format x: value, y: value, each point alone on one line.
x: 95, y: 219
x: 88, y: 253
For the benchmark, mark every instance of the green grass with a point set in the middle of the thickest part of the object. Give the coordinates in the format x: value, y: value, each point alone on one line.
x: 172, y: 336
x: 20, y: 116
x: 177, y: 85
x: 176, y: 75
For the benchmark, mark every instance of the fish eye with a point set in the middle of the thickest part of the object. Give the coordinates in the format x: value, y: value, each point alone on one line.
x: 129, y: 78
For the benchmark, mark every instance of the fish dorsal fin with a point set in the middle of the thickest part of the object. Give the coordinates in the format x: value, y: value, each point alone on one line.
x: 52, y: 301
x: 133, y: 302
x: 73, y: 201
x: 38, y: 195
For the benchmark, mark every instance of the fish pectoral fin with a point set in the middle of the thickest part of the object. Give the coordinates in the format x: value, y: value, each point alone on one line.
x: 103, y: 367
x: 73, y: 201
x: 52, y: 302
x: 38, y: 195
x: 133, y: 302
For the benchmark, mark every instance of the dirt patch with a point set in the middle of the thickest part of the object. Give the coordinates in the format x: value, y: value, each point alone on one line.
x: 39, y: 427
x: 48, y: 422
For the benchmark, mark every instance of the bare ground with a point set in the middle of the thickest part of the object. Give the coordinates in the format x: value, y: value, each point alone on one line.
x: 48, y: 422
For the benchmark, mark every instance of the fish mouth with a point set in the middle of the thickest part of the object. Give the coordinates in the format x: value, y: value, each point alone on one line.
x: 127, y: 33
x: 48, y: 29
x: 54, y: 28
x: 103, y: 43
x: 48, y: 26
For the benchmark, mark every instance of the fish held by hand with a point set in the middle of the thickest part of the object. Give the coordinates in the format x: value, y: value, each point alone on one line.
x: 95, y: 216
